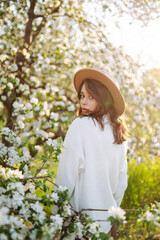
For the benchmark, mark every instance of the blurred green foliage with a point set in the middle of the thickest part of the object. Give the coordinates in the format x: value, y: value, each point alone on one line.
x: 143, y: 184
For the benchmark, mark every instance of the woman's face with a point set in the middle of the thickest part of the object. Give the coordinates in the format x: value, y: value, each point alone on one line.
x: 88, y: 103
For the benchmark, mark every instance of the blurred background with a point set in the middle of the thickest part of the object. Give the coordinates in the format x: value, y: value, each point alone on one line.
x: 43, y: 43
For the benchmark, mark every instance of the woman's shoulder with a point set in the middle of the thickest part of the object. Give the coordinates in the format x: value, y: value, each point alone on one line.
x: 77, y: 130
x: 80, y: 126
x: 86, y: 123
x: 81, y: 122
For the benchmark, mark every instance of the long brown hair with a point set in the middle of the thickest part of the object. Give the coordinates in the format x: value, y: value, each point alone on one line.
x: 105, y: 107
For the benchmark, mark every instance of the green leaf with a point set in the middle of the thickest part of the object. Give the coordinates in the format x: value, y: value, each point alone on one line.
x: 38, y: 184
x: 103, y: 236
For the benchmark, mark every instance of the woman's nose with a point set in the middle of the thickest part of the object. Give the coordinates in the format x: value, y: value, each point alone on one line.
x: 84, y: 100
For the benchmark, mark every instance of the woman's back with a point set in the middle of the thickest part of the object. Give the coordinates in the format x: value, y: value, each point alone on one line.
x: 96, y: 163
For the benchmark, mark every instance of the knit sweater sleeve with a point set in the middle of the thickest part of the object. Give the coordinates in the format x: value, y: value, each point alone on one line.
x: 72, y: 159
x: 122, y: 179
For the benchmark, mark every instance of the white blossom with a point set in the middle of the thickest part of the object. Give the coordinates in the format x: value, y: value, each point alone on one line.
x: 17, y: 186
x: 62, y: 188
x: 37, y: 108
x: 36, y: 207
x: 26, y: 155
x: 3, y: 57
x: 3, y: 98
x: 38, y: 148
x: 66, y: 209
x: 2, y: 171
x: 11, y: 136
x: 43, y: 172
x: 79, y: 229
x: 54, y: 116
x: 17, y: 106
x: 13, y: 156
x: 13, y: 67
x: 154, y: 139
x: 5, y: 131
x: 36, y: 81
x: 137, y: 118
x: 3, y: 150
x: 23, y: 87
x: 4, y: 216
x: 10, y: 173
x: 21, y: 124
x: 29, y: 186
x: 149, y: 216
x: 93, y: 228
x: 33, y: 234
x: 26, y: 172
x: 16, y: 236
x: 55, y: 196
x: 2, y: 190
x: 29, y: 115
x: 26, y: 93
x: 9, y: 94
x: 17, y: 81
x: 17, y: 141
x: 71, y: 236
x: 143, y: 140
x: 42, y: 133
x: 15, y: 221
x: 57, y: 220
x: 17, y: 200
x: 52, y: 143
x: 60, y: 103
x: 41, y: 216
x: 71, y: 108
x: 54, y: 209
x: 28, y: 106
x: 34, y: 100
x: 10, y: 85
x: 25, y: 53
x: 3, y: 236
x: 64, y: 118
x: 117, y: 212
x: 47, y: 125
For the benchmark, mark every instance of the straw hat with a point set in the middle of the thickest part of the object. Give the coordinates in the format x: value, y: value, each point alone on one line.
x: 105, y: 79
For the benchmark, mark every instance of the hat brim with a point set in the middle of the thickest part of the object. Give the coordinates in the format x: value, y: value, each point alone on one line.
x: 106, y: 80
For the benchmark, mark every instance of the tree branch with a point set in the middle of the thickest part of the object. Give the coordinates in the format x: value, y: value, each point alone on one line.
x: 28, y: 178
x: 52, y: 183
x: 92, y: 209
x: 42, y: 165
x: 105, y: 210
x: 44, y: 20
x: 38, y: 15
x: 33, y: 199
x: 28, y: 31
x: 48, y: 212
x: 54, y: 10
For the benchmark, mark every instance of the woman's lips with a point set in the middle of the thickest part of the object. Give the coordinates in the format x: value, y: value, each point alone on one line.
x: 85, y: 109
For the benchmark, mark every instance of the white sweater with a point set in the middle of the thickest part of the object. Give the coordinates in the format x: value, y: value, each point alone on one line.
x: 93, y: 168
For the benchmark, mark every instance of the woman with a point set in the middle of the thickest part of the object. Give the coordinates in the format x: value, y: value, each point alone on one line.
x: 93, y: 165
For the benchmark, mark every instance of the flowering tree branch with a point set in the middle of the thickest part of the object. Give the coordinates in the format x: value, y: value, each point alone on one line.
x: 38, y: 171
x: 28, y: 178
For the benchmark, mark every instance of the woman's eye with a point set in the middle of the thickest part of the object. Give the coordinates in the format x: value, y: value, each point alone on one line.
x: 91, y: 97
x: 82, y: 96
